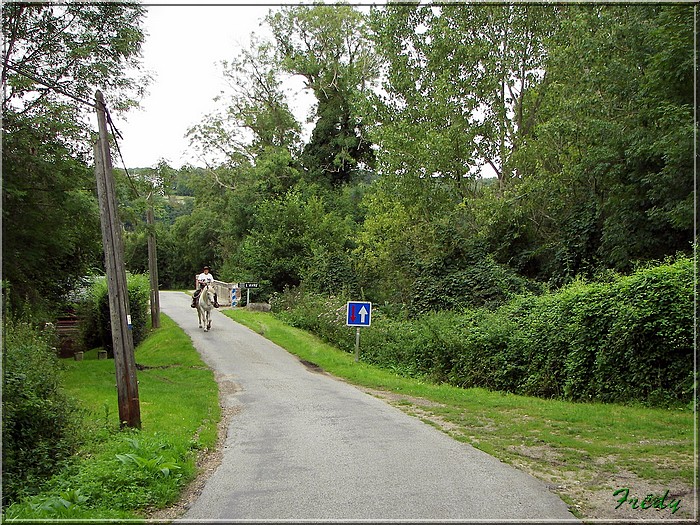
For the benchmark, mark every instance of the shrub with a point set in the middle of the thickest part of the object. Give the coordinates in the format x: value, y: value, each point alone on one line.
x: 629, y: 339
x: 483, y: 282
x: 39, y: 420
x: 97, y: 329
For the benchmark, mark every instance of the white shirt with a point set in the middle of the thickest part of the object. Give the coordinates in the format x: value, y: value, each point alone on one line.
x: 205, y: 278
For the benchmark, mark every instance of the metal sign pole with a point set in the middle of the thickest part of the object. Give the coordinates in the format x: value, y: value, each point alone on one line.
x: 358, y: 314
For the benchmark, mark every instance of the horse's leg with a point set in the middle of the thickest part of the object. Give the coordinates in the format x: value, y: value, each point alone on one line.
x: 199, y: 315
x: 208, y: 320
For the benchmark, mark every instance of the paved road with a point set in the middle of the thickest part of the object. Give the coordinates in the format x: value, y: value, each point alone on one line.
x: 307, y: 446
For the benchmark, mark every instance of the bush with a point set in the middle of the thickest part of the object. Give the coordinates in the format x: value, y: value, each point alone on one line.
x: 483, y: 282
x: 39, y: 420
x: 626, y: 340
x: 97, y: 329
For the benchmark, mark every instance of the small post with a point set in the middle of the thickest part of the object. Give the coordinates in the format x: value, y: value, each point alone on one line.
x: 358, y: 314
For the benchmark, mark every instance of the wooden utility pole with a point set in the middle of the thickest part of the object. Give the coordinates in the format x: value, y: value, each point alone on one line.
x: 122, y: 338
x: 153, y: 264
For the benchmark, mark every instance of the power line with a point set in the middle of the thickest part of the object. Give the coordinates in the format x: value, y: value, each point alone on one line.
x: 48, y: 84
x: 115, y: 132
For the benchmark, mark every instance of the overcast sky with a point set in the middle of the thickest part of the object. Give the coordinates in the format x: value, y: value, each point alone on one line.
x: 183, y: 48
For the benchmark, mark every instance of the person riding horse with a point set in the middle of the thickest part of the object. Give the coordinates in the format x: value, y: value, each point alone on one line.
x: 203, y: 279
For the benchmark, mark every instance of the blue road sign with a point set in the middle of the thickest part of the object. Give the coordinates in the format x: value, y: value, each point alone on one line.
x: 359, y: 314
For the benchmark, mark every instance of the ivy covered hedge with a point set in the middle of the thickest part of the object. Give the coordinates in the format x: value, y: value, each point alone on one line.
x: 628, y: 340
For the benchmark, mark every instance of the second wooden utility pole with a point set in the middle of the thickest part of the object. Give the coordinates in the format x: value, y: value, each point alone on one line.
x: 122, y: 337
x: 153, y: 264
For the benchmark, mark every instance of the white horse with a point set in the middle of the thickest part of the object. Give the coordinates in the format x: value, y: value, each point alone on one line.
x: 205, y: 303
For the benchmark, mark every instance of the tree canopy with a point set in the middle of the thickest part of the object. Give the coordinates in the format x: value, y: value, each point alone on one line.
x: 55, y: 57
x: 456, y: 154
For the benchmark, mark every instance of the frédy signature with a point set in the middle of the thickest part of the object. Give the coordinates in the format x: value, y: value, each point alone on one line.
x: 649, y: 502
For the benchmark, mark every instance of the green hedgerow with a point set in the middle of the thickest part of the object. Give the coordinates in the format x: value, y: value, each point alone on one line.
x: 629, y: 339
x: 96, y: 326
x: 39, y: 420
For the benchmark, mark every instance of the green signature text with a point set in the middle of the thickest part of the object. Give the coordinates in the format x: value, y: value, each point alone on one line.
x: 651, y: 501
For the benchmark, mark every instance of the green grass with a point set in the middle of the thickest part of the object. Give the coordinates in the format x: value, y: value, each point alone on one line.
x: 584, y: 449
x: 121, y: 474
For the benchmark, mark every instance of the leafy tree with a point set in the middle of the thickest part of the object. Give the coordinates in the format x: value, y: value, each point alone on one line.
x: 393, y: 238
x: 329, y: 46
x: 255, y: 118
x: 611, y: 155
x: 292, y: 235
x: 51, y: 233
x: 459, y: 86
x: 51, y: 236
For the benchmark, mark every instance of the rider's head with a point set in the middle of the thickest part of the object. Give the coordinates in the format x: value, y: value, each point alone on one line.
x: 206, y: 269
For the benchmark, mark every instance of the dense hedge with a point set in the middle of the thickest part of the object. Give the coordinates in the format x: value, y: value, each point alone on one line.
x: 97, y: 329
x: 629, y: 340
x: 441, y: 286
x: 38, y: 419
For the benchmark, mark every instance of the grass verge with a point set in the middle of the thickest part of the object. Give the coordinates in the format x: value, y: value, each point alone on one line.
x: 123, y: 474
x: 583, y: 451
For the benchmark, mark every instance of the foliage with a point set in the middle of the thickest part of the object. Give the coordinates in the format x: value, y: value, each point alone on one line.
x: 459, y: 85
x: 577, y: 110
x: 322, y: 315
x: 49, y: 213
x: 329, y: 47
x: 39, y: 430
x: 256, y: 116
x: 478, y: 282
x: 291, y: 234
x: 611, y: 177
x: 49, y: 208
x: 585, y: 342
x: 96, y: 329
x: 75, y: 47
x: 124, y: 474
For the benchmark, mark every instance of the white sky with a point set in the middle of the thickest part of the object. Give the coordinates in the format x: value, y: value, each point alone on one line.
x: 183, y: 49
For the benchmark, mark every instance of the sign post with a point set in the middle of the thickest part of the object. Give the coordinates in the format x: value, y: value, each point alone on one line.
x: 247, y: 287
x: 358, y: 314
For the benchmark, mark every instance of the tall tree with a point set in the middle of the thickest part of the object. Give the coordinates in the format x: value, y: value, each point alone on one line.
x: 459, y: 86
x: 612, y: 153
x: 255, y: 116
x: 329, y: 47
x: 256, y: 139
x: 56, y: 56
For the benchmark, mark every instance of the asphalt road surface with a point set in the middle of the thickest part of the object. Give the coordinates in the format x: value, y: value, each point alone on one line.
x: 305, y: 446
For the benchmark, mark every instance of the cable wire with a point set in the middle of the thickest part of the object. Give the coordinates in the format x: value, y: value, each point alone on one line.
x: 48, y: 84
x: 115, y: 132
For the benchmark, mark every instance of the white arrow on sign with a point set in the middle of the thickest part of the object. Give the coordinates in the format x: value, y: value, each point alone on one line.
x: 363, y: 313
